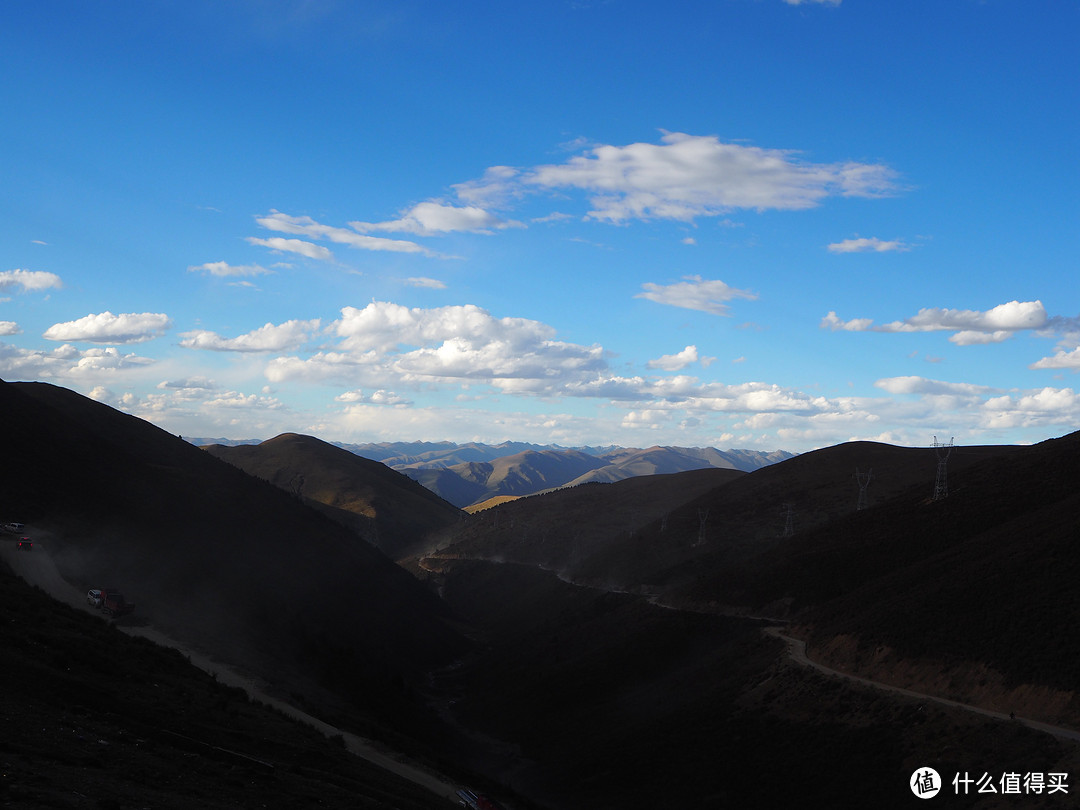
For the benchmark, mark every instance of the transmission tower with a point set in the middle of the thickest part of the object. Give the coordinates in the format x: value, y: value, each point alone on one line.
x: 789, y: 520
x: 703, y: 518
x: 941, y: 485
x: 863, y: 480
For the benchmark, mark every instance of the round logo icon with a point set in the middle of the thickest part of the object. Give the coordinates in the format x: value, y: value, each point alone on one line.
x: 925, y: 783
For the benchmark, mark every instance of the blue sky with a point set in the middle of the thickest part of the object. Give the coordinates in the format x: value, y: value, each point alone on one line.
x: 736, y: 223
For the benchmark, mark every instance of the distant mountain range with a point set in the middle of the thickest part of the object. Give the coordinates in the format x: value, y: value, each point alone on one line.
x: 472, y: 475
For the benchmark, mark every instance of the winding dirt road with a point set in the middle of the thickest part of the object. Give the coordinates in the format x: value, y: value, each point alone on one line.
x: 797, y: 653
x: 36, y: 567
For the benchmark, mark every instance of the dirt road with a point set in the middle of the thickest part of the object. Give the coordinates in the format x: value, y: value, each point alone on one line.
x: 36, y: 567
x: 797, y: 653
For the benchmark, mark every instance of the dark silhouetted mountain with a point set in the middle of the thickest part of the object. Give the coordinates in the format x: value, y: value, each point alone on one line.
x: 213, y: 555
x: 390, y: 510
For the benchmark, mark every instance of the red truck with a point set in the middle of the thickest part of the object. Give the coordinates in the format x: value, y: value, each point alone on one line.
x: 114, y: 604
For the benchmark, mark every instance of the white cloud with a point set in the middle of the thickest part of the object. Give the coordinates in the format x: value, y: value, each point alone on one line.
x: 9, y: 328
x: 188, y: 384
x: 684, y: 177
x: 66, y: 363
x: 386, y: 342
x: 1062, y: 359
x: 133, y: 327
x: 922, y: 385
x: 1042, y: 407
x: 298, y: 246
x: 306, y: 226
x: 380, y: 397
x: 864, y: 245
x: 268, y: 338
x: 431, y: 218
x: 426, y: 283
x: 224, y: 269
x: 680, y: 360
x: 831, y: 321
x: 694, y: 292
x: 971, y: 326
x: 29, y: 280
x: 821, y: 2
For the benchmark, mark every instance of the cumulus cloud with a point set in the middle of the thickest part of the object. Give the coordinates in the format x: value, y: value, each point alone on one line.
x: 9, y: 328
x: 268, y: 338
x: 306, y: 226
x: 871, y: 245
x: 66, y: 362
x: 108, y: 328
x: 298, y: 246
x: 970, y: 326
x: 684, y: 177
x: 1041, y: 407
x: 29, y: 280
x: 386, y: 341
x: 679, y: 360
x: 224, y: 269
x: 831, y: 321
x: 694, y: 292
x: 1061, y: 360
x: 432, y: 218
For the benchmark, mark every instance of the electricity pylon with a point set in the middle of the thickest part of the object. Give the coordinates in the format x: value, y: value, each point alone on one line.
x: 941, y: 485
x: 863, y: 480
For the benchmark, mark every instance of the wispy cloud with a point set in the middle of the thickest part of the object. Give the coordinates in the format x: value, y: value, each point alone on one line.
x: 224, y: 269
x: 694, y: 292
x: 298, y: 246
x: 426, y: 283
x: 432, y: 218
x: 868, y: 245
x: 306, y: 226
x: 684, y: 177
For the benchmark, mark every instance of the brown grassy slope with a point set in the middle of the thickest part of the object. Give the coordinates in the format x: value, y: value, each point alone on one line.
x: 211, y: 554
x: 588, y: 527
x: 522, y: 473
x: 388, y: 509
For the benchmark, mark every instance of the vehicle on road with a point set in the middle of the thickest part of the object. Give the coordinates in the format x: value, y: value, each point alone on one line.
x: 25, y: 544
x: 114, y: 604
x: 13, y: 528
x: 476, y: 801
x: 94, y: 597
